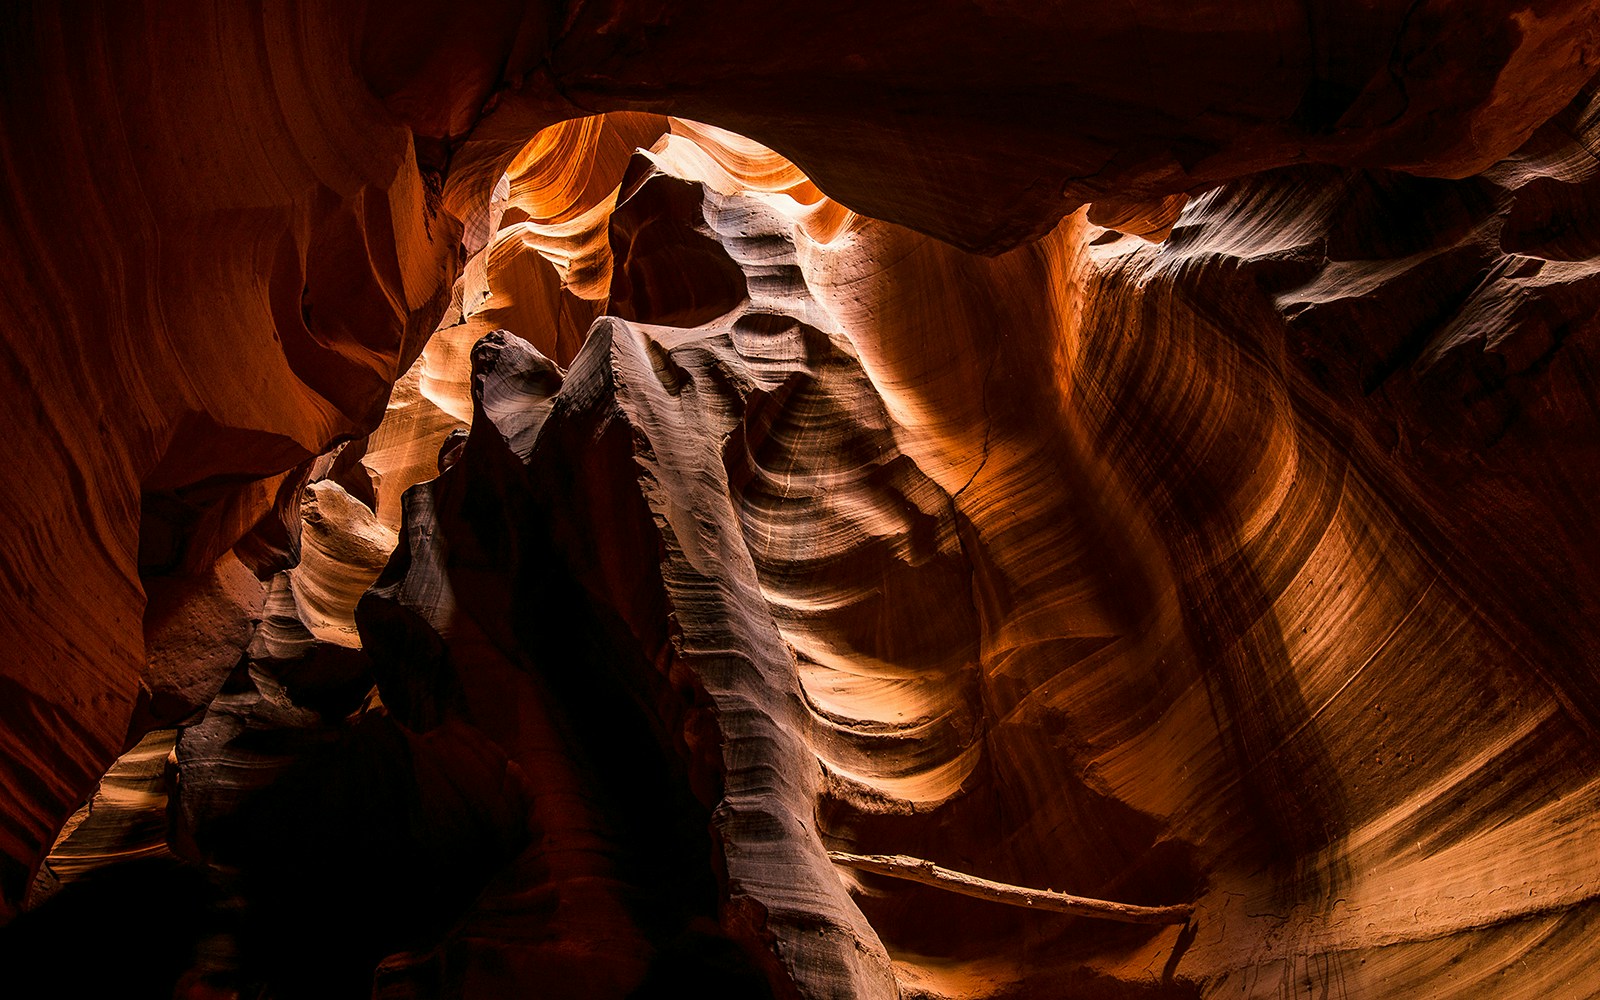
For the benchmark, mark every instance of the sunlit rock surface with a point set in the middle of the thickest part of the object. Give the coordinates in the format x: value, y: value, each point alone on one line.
x: 1079, y: 567
x: 1224, y: 541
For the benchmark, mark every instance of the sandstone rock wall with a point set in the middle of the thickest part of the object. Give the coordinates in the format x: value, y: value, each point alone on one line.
x: 1251, y: 567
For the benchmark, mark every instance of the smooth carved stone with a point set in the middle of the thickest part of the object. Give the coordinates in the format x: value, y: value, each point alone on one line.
x: 224, y: 254
x: 576, y: 910
x: 1217, y: 621
x: 124, y: 821
x: 281, y: 185
x: 997, y: 122
x: 343, y: 549
x: 1250, y: 569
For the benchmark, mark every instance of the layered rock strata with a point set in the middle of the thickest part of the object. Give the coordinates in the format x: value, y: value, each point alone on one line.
x: 1251, y: 569
x: 1120, y: 595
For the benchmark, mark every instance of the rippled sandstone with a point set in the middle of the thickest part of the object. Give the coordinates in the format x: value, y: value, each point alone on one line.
x: 1252, y: 568
x: 1114, y: 588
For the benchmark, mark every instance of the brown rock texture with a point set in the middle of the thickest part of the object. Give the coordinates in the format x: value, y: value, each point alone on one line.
x: 475, y: 529
x: 221, y: 254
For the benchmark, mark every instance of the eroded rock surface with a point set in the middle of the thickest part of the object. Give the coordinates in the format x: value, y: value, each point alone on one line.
x: 1062, y: 569
x: 1224, y: 541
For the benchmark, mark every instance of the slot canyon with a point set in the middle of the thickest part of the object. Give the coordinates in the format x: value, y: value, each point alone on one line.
x: 598, y: 498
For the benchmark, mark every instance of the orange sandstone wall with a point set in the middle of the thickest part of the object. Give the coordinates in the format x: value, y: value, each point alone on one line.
x: 1252, y: 567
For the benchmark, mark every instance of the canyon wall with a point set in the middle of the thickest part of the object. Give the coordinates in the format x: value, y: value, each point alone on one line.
x: 1142, y: 454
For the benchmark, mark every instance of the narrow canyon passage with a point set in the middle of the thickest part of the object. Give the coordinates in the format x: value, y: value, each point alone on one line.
x: 483, y: 531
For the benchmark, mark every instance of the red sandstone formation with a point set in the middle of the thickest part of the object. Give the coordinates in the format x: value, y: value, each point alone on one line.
x: 1224, y: 544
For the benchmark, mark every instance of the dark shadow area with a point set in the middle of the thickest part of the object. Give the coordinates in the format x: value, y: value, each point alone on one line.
x: 130, y: 930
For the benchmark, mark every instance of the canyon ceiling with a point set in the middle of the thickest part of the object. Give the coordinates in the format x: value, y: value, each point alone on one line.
x: 504, y: 498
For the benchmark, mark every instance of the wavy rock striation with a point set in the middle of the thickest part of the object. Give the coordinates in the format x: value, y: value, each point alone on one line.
x: 1250, y: 570
x: 222, y: 255
x: 1082, y: 567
